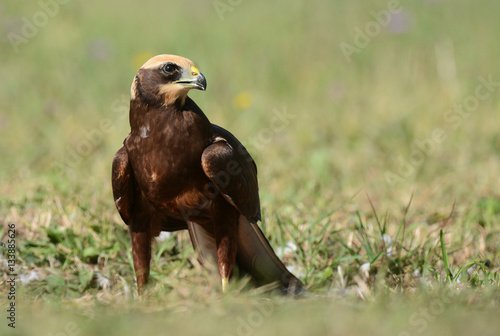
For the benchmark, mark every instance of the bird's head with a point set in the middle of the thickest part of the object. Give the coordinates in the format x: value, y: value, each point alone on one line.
x: 166, y: 80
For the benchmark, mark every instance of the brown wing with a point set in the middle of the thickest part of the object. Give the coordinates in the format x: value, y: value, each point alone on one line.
x: 122, y: 182
x: 230, y: 167
x: 228, y: 164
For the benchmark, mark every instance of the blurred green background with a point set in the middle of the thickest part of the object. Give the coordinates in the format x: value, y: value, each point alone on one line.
x: 351, y: 120
x: 361, y: 90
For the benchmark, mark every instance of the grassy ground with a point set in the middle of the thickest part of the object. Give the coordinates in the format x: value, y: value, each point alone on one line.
x: 379, y: 181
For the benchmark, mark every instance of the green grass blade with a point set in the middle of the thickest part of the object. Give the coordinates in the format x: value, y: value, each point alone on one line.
x: 445, y: 257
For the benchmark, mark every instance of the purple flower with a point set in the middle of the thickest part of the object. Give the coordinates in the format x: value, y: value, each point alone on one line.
x: 400, y: 23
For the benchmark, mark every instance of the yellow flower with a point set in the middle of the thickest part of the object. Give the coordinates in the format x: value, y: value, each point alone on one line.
x: 243, y: 100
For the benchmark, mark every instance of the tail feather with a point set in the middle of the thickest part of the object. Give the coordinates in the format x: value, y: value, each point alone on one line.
x: 257, y: 257
x: 204, y: 243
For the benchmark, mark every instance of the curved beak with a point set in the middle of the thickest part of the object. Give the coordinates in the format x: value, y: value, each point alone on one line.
x: 201, y: 82
x: 198, y: 82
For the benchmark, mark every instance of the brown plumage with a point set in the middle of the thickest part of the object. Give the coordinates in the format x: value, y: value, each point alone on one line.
x: 178, y: 171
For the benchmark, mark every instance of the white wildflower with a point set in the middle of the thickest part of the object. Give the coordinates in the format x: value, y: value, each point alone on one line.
x: 103, y: 282
x: 29, y: 276
x: 288, y: 249
x: 163, y: 236
x: 387, y: 239
x: 365, y: 269
x: 388, y: 242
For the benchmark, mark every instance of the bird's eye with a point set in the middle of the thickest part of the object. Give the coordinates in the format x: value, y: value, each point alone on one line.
x: 168, y: 68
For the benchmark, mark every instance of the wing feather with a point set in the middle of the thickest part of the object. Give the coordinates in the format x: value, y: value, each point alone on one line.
x: 122, y: 182
x: 230, y: 167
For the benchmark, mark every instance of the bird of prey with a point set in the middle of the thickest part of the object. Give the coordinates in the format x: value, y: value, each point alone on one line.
x: 178, y: 171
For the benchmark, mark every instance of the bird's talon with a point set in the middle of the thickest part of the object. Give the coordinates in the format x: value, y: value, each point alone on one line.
x: 225, y: 285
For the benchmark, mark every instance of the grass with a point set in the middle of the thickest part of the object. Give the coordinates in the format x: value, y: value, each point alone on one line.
x: 379, y: 192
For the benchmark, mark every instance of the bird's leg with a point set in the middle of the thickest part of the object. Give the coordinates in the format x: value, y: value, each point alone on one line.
x: 226, y: 257
x: 225, y: 227
x: 141, y: 254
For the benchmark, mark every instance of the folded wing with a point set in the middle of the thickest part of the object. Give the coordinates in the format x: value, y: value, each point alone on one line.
x: 230, y: 167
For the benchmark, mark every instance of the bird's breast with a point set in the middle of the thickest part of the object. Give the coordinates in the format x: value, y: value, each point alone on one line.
x: 170, y: 175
